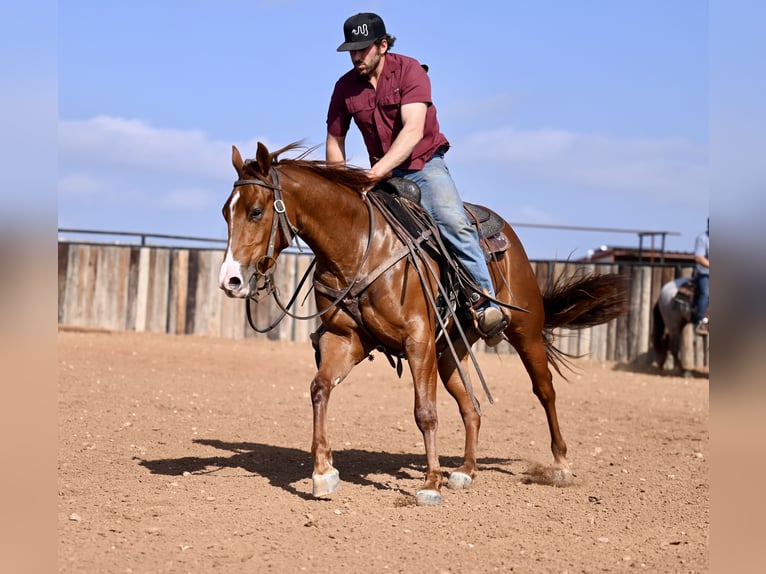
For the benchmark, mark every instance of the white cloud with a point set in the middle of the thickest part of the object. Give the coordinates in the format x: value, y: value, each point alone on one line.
x: 79, y: 185
x: 189, y: 199
x: 478, y: 109
x: 127, y: 167
x: 526, y: 212
x: 119, y: 192
x: 134, y: 144
x: 673, y: 169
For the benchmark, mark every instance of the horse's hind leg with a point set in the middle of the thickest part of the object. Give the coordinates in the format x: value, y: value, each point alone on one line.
x: 535, y: 360
x: 423, y: 365
x: 462, y: 477
x: 674, y: 342
x: 338, y: 356
x: 661, y: 351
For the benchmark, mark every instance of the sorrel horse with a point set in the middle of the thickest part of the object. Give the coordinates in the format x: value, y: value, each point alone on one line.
x: 274, y: 200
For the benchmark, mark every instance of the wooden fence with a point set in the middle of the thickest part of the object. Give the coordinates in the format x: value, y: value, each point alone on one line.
x: 175, y: 290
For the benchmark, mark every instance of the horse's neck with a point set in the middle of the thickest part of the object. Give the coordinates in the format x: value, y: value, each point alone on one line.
x: 333, y: 221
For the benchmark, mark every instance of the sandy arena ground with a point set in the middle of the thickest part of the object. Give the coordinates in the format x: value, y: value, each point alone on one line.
x: 187, y: 454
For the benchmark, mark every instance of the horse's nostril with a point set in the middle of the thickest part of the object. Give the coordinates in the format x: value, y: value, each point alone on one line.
x: 235, y: 283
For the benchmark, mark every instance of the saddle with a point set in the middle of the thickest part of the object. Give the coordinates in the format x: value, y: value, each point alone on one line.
x: 488, y: 224
x: 687, y: 293
x: 398, y: 199
x: 686, y: 297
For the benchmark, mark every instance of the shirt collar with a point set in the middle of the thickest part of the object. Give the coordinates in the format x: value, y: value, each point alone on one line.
x: 388, y: 70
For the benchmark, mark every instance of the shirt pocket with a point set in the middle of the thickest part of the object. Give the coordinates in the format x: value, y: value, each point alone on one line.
x: 391, y: 100
x: 390, y: 107
x: 361, y: 107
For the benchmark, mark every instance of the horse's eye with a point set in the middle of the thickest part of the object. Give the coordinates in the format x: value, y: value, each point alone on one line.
x: 255, y: 214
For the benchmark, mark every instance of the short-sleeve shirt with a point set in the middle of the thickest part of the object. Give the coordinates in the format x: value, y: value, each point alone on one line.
x: 702, y: 249
x: 377, y: 112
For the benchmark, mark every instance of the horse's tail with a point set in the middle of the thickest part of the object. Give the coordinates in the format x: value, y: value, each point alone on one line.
x: 579, y: 303
x: 660, y: 340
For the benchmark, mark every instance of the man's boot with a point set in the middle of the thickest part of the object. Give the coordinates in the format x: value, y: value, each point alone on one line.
x: 491, y: 323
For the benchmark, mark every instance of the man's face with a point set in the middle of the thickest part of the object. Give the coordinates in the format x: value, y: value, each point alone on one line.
x: 367, y: 60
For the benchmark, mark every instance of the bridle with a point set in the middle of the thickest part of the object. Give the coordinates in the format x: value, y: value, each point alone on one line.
x: 266, y: 265
x: 280, y: 219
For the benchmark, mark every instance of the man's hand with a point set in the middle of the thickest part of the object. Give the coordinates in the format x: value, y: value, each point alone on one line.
x: 373, y: 177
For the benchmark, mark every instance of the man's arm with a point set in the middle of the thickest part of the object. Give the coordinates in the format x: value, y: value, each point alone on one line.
x: 413, y: 124
x: 335, y: 149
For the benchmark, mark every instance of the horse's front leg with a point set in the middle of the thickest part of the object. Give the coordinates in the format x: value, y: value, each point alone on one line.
x: 337, y: 357
x: 423, y: 367
x: 325, y: 478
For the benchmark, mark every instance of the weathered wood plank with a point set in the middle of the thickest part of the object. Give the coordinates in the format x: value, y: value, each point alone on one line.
x: 63, y: 268
x: 158, y: 292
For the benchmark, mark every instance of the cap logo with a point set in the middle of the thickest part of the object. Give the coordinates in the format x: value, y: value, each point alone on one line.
x: 360, y: 30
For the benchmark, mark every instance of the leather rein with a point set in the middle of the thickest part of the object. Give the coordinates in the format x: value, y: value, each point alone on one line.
x: 266, y: 265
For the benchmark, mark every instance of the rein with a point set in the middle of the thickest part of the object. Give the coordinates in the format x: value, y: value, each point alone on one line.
x: 417, y: 259
x: 281, y: 220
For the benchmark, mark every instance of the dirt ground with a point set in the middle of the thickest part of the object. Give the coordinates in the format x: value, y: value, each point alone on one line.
x: 188, y: 454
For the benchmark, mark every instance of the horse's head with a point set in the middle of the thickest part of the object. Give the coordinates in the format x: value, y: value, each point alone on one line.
x: 255, y: 239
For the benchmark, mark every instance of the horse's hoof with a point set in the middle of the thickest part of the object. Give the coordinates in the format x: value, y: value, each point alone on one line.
x: 459, y: 481
x: 325, y: 484
x: 428, y: 498
x: 562, y: 476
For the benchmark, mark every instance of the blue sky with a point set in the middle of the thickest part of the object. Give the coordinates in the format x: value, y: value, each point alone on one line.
x: 592, y: 113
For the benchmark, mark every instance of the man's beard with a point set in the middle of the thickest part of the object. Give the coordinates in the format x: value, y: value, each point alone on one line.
x: 368, y: 68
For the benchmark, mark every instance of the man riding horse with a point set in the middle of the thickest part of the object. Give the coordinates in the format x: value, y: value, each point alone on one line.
x: 389, y: 98
x: 702, y: 281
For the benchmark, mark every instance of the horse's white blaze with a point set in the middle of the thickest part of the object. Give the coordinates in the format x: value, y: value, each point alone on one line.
x: 232, y: 205
x: 230, y: 268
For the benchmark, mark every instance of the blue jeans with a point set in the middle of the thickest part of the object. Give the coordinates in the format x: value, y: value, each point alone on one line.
x: 703, y: 297
x: 440, y: 198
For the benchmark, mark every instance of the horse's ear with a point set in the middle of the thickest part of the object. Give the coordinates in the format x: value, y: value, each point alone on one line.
x: 236, y: 159
x: 263, y: 158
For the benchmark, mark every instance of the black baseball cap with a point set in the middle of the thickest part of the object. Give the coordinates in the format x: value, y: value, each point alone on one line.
x: 362, y: 30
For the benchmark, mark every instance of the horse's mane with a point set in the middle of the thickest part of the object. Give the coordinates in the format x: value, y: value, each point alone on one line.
x: 355, y: 178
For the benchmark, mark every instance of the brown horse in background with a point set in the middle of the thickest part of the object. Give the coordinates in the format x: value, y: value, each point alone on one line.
x: 275, y: 199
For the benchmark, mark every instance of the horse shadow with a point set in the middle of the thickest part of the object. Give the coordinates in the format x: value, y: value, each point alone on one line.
x: 284, y: 467
x: 646, y: 364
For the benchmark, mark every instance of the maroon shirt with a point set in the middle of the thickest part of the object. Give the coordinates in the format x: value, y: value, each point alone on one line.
x: 377, y: 113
